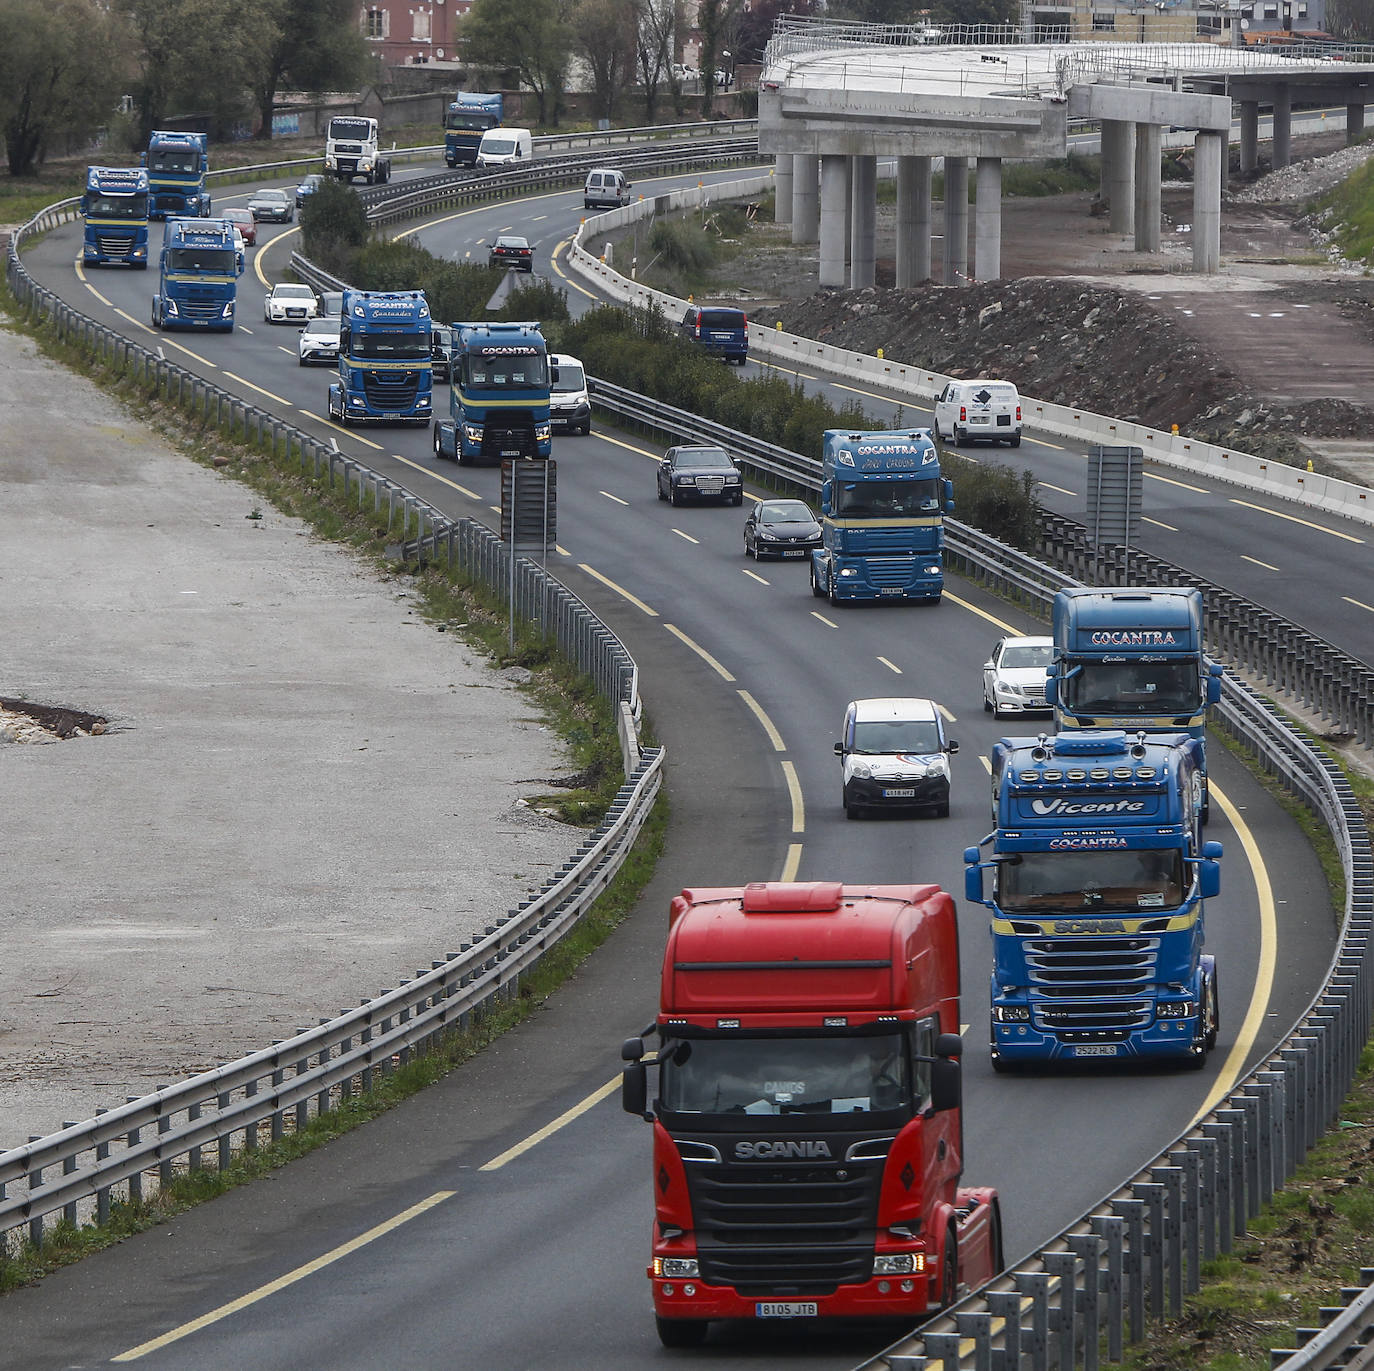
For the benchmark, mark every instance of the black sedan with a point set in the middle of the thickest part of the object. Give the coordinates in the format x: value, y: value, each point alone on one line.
x: 510, y: 250
x: 781, y: 528
x: 272, y: 204
x: 699, y: 473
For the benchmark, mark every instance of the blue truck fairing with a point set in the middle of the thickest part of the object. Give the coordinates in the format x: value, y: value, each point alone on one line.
x: 385, y: 359
x: 499, y: 392
x: 115, y: 209
x: 465, y: 121
x: 177, y: 163
x: 198, y: 271
x: 1132, y: 659
x: 1097, y: 900
x: 883, y: 504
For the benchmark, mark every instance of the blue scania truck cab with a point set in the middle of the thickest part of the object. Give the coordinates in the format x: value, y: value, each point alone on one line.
x: 114, y: 206
x: 883, y: 507
x: 1097, y: 900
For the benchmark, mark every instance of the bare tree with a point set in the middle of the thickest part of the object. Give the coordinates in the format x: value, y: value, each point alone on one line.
x: 658, y: 25
x: 606, y: 34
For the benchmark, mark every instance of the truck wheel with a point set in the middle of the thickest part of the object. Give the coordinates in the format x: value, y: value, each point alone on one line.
x: 1213, y: 1011
x: 949, y: 1271
x: 830, y: 590
x: 438, y: 444
x: 816, y: 588
x: 681, y: 1332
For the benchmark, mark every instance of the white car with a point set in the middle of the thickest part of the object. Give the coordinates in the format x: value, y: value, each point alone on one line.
x: 969, y: 410
x: 288, y: 303
x: 320, y: 341
x: 1014, y: 676
x: 894, y: 754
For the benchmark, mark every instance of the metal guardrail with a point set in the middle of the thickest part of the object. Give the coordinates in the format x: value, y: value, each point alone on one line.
x: 1345, y: 1339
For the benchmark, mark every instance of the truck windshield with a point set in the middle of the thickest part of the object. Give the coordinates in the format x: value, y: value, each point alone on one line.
x: 885, y: 499
x: 357, y: 129
x: 528, y: 372
x: 178, y: 160
x: 1116, y: 882
x: 204, y: 261
x: 390, y: 347
x: 474, y: 121
x: 791, y: 1075
x: 1167, y: 687
x: 883, y: 737
x: 117, y: 206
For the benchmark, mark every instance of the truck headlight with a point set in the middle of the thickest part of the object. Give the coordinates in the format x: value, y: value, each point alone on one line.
x: 848, y: 571
x: 895, y: 1264
x: 422, y: 402
x: 1011, y: 1013
x: 472, y: 432
x: 1174, y: 1009
x: 228, y: 311
x: 170, y: 305
x: 676, y: 1268
x: 543, y: 433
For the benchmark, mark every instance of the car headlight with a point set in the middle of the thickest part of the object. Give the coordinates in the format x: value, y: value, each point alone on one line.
x: 863, y: 770
x: 686, y: 480
x: 676, y: 1267
x: 764, y: 536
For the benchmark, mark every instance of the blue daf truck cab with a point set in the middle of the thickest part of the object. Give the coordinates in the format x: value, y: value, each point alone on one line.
x: 883, y: 507
x: 467, y: 118
x: 385, y: 359
x: 114, y: 206
x: 1099, y: 883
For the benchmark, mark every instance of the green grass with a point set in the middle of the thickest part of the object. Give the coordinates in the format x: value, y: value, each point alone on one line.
x: 1348, y: 213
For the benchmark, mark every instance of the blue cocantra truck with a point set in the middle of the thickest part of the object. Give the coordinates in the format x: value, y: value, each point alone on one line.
x: 1133, y: 659
x: 1097, y: 900
x: 883, y: 507
x: 385, y: 359
x: 177, y: 163
x: 465, y: 121
x: 198, y: 273
x: 114, y: 206
x: 498, y: 395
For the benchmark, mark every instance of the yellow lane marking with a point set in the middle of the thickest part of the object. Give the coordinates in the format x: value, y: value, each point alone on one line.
x: 1240, y: 1051
x: 774, y: 736
x: 1048, y: 486
x: 1293, y: 519
x: 81, y: 276
x: 616, y: 498
x: 549, y: 1129
x: 829, y: 623
x: 435, y: 476
x: 1158, y: 523
x: 792, y: 864
x: 790, y: 371
x: 262, y: 252
x: 891, y: 666
x: 631, y: 447
x: 619, y: 590
x: 986, y: 761
x: 347, y: 432
x: 983, y: 614
x: 794, y: 790
x: 137, y: 323
x: 1359, y: 604
x: 874, y: 395
x: 696, y: 542
x: 229, y: 375
x: 576, y: 285
x: 290, y: 1278
x: 1268, y: 566
x: 700, y: 651
x: 763, y: 581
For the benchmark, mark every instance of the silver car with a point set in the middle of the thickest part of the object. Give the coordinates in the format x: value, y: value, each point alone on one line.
x: 1014, y: 676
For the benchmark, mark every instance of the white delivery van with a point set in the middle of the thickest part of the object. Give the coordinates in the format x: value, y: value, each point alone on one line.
x: 606, y: 188
x: 969, y: 410
x: 505, y: 148
x: 570, y: 406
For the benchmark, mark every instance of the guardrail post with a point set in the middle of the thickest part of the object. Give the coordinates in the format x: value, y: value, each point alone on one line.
x: 69, y: 1169
x: 250, y: 1132
x: 322, y: 1097
x: 1087, y: 1247
x: 1234, y: 1149
x: 223, y: 1149
x: 1171, y: 1179
x: 102, y: 1194
x: 35, y: 1180
x: 1189, y: 1164
x: 977, y: 1326
x: 278, y: 1115
x: 1035, y: 1339
x: 131, y: 1140
x: 944, y: 1348
x: 164, y: 1164
x: 1063, y: 1266
x: 1133, y: 1265
x: 1006, y: 1305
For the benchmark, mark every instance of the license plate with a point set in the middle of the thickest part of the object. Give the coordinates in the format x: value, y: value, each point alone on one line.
x: 510, y: 452
x: 397, y: 415
x: 785, y: 1309
x: 890, y: 590
x: 1096, y: 1050
x: 799, y: 552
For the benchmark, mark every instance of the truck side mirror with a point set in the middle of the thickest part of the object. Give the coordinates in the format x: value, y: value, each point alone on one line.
x: 825, y: 497
x: 634, y: 1090
x: 949, y: 495
x: 1214, y: 673
x: 1052, y: 685
x: 1208, y: 879
x: 973, y: 877
x: 945, y: 1082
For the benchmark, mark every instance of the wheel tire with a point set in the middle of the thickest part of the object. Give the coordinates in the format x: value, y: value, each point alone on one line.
x: 587, y: 429
x: 816, y: 585
x: 949, y: 1271
x: 988, y: 707
x: 681, y: 1332
x: 661, y: 495
x: 960, y: 439
x: 438, y: 445
x: 851, y: 811
x: 1016, y: 442
x: 672, y: 497
x: 749, y: 551
x: 942, y: 810
x: 738, y: 500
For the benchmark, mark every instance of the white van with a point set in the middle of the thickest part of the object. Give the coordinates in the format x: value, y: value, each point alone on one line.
x: 505, y: 148
x: 894, y: 755
x: 606, y: 188
x: 570, y: 406
x: 969, y: 410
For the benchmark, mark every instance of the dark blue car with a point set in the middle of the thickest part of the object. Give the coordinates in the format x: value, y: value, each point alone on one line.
x: 306, y: 188
x: 721, y: 331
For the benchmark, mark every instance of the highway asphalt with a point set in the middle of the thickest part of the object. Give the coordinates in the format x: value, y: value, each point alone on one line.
x: 303, y: 790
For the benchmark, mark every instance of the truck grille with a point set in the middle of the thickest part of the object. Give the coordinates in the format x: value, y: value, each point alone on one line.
x: 890, y: 571
x: 508, y: 440
x: 783, y: 1229
x: 1092, y: 986
x: 392, y: 391
x: 200, y: 307
x: 114, y: 244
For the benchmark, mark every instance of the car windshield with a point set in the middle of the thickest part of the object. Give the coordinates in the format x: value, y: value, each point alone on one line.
x: 518, y: 244
x: 902, y: 499
x: 569, y: 376
x: 785, y: 512
x: 237, y: 216
x: 1101, y: 882
x: 292, y: 293
x: 1144, y: 688
x: 702, y: 457
x: 498, y: 147
x: 324, y: 328
x: 806, y: 1074
x: 1017, y: 657
x: 883, y: 737
x: 271, y: 197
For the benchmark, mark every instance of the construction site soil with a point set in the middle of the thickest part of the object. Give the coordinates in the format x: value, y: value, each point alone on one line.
x: 1273, y: 355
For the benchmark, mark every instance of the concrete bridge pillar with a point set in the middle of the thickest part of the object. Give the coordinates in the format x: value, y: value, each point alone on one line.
x: 1283, y: 126
x: 1354, y: 122
x: 1147, y: 187
x: 1209, y: 160
x: 956, y: 221
x: 913, y: 221
x: 782, y: 188
x: 1117, y: 185
x: 987, y: 220
x: 806, y: 205
x: 1249, y: 135
x: 863, y: 223
x: 833, y: 218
